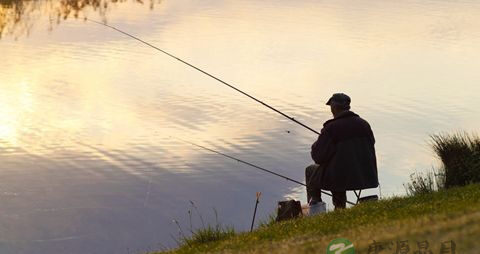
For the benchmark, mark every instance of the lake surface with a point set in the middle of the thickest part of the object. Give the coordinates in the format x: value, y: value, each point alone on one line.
x: 89, y: 160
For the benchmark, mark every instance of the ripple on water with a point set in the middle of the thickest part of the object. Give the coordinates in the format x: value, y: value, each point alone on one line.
x: 89, y: 159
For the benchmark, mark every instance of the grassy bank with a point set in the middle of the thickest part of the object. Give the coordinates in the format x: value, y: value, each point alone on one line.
x: 438, y: 209
x: 437, y: 217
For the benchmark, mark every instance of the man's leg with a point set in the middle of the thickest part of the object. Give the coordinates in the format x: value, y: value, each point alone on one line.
x: 339, y: 199
x: 313, y: 175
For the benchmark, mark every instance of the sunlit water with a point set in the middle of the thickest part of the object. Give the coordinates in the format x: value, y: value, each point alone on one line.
x: 89, y: 160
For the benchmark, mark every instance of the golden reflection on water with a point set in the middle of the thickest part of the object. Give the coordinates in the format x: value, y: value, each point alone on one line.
x: 15, y: 102
x: 88, y: 83
x: 97, y: 109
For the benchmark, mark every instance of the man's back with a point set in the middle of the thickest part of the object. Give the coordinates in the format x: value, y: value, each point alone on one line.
x: 345, y: 149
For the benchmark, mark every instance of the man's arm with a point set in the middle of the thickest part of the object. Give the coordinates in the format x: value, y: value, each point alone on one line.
x: 323, y: 149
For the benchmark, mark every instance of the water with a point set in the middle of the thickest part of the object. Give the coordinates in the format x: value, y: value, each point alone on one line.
x: 89, y: 162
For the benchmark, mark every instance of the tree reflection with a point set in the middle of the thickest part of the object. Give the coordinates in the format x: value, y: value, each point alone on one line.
x: 18, y: 16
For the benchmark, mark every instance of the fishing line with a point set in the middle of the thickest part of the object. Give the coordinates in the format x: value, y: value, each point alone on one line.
x: 208, y: 74
x: 232, y: 87
x: 252, y: 165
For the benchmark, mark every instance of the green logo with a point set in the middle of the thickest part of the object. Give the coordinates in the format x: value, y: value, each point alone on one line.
x: 340, y: 246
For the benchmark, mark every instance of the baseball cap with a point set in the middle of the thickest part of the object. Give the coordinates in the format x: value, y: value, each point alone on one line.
x: 339, y: 99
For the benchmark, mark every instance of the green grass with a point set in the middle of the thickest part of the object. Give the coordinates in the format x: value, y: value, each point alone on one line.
x: 452, y: 214
x: 208, y: 234
x: 437, y: 210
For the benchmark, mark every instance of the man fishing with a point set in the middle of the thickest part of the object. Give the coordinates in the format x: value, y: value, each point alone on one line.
x: 347, y: 137
x: 344, y: 155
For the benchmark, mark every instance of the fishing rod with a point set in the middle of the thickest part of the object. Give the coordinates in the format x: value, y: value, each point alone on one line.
x: 232, y: 87
x: 252, y: 165
x: 208, y: 74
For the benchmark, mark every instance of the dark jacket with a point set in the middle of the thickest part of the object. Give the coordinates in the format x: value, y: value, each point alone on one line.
x: 345, y: 149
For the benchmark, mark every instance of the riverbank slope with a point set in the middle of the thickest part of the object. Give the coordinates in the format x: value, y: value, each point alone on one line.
x: 439, y: 217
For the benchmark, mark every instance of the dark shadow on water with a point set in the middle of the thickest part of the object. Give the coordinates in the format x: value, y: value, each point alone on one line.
x: 17, y: 17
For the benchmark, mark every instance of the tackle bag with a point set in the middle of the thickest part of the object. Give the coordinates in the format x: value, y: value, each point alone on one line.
x: 288, y: 210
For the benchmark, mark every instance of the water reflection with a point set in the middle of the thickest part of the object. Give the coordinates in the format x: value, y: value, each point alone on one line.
x: 86, y: 112
x: 17, y: 17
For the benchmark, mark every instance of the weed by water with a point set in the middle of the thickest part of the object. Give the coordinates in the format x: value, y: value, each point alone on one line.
x: 460, y: 156
x: 206, y: 234
x: 209, y: 234
x: 423, y: 183
x: 271, y: 219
